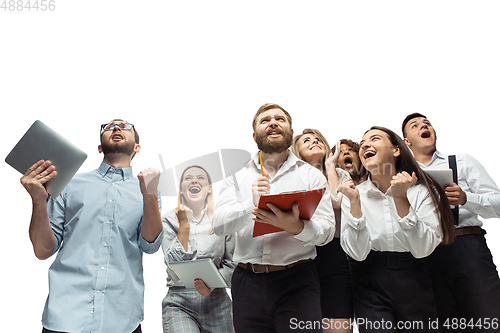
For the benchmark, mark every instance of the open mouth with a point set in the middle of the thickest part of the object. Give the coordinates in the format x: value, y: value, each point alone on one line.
x: 274, y: 133
x: 194, y: 189
x: 348, y: 162
x: 425, y: 134
x: 369, y: 154
x: 116, y: 137
x: 316, y: 147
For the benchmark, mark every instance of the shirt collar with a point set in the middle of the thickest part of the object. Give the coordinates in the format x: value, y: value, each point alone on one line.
x: 107, y: 171
x: 371, y: 189
x: 290, y: 162
x: 203, y: 212
x: 437, y: 154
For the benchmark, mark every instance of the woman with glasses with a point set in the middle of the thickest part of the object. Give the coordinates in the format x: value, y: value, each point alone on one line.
x: 188, y: 235
x: 331, y: 261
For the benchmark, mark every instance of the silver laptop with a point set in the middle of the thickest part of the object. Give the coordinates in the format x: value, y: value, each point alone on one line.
x: 203, y: 269
x: 444, y: 177
x: 42, y: 143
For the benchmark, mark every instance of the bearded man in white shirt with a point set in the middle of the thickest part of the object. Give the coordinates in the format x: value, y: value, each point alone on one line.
x: 275, y: 285
x: 466, y: 282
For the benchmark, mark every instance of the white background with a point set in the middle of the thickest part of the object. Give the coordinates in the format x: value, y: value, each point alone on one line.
x: 191, y: 74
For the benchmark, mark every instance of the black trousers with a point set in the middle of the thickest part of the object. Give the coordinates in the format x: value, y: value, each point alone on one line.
x: 335, y: 281
x: 44, y: 330
x: 282, y: 301
x: 392, y: 293
x: 466, y: 286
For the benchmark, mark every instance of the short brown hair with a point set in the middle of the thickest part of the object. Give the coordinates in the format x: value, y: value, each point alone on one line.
x: 270, y: 106
x: 136, y: 135
x: 408, y: 118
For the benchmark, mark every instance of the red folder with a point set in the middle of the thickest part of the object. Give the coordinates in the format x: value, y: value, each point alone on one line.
x: 308, y: 202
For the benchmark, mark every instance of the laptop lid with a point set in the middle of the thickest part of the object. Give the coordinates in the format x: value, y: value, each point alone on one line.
x: 42, y: 143
x: 204, y: 269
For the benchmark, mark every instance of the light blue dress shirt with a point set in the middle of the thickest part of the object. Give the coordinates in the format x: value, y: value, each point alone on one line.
x: 96, y: 282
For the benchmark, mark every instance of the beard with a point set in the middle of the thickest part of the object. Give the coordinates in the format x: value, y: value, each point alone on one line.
x: 118, y: 148
x: 274, y: 146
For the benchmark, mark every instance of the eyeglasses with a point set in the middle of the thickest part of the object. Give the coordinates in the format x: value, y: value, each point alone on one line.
x: 111, y: 126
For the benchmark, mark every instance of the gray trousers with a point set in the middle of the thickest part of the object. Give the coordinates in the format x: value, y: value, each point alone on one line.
x: 186, y: 311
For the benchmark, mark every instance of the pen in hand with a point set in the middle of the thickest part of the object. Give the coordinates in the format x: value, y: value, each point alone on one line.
x: 261, y: 167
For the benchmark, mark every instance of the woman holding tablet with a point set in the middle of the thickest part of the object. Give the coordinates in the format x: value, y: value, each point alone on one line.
x: 390, y: 221
x: 331, y: 261
x: 188, y: 235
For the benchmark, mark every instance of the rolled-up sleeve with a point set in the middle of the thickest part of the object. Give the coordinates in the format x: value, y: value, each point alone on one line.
x: 56, y: 207
x: 146, y: 246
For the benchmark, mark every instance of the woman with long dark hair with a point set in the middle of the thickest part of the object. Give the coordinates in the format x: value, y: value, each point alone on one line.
x: 390, y: 221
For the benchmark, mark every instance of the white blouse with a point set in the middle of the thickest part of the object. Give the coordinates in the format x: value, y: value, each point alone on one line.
x: 202, y: 244
x: 381, y: 229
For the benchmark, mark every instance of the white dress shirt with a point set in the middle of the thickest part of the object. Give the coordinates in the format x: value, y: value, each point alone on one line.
x: 381, y: 228
x: 483, y: 195
x: 233, y: 213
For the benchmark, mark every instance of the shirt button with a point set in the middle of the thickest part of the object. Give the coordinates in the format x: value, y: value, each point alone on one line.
x: 105, y: 244
x: 98, y: 291
x: 102, y: 268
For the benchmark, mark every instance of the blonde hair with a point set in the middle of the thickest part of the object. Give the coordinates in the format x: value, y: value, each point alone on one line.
x: 296, y: 144
x: 209, y: 201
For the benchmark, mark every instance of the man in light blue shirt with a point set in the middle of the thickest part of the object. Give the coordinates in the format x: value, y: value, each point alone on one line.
x: 99, y: 226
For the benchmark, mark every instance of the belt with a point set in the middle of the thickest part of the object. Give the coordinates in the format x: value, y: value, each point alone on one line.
x: 392, y: 260
x: 258, y: 268
x: 469, y: 231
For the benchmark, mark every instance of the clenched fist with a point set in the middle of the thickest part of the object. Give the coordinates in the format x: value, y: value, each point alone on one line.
x: 148, y: 181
